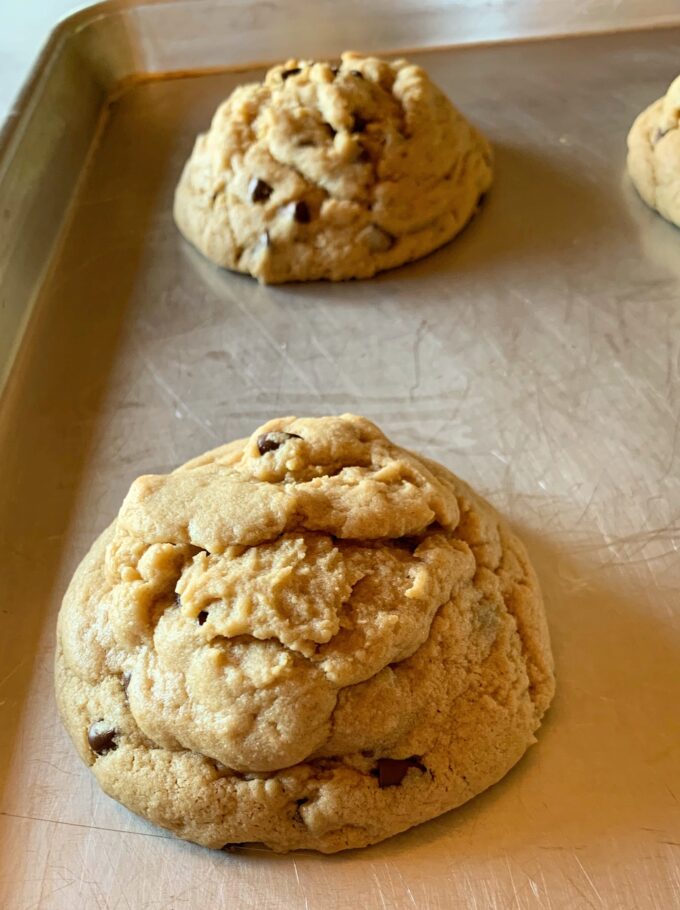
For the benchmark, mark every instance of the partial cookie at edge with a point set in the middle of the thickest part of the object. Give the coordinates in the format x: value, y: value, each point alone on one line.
x: 654, y: 154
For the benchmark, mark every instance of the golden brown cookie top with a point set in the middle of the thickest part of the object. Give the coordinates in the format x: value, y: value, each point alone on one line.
x: 273, y: 572
x: 337, y: 475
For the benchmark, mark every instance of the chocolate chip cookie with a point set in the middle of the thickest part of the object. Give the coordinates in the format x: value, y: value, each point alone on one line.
x: 331, y: 171
x: 310, y: 638
x: 654, y: 154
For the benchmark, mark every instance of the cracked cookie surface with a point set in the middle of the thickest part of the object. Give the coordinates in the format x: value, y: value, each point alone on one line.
x: 654, y: 154
x: 308, y: 638
x: 331, y: 172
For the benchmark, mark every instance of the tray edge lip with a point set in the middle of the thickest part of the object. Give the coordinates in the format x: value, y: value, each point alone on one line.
x: 119, y: 87
x: 68, y: 27
x: 64, y: 28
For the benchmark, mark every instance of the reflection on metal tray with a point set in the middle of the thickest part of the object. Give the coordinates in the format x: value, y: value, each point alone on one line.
x: 538, y: 356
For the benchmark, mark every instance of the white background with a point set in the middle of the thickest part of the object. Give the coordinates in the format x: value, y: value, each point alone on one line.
x: 25, y: 28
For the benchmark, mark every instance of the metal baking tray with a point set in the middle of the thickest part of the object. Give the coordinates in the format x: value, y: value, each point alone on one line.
x: 538, y: 356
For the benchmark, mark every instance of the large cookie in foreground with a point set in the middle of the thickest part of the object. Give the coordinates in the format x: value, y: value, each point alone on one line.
x: 309, y: 638
x: 331, y: 172
x: 654, y: 154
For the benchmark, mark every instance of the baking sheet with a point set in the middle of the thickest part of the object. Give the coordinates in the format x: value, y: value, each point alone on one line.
x: 538, y: 356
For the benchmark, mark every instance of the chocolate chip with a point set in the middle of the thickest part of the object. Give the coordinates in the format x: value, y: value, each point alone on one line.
x: 357, y: 74
x: 301, y: 212
x: 391, y: 771
x: 358, y: 124
x: 259, y: 190
x: 125, y: 679
x: 291, y: 72
x: 269, y: 442
x: 378, y: 240
x: 202, y: 616
x: 178, y: 600
x: 102, y: 739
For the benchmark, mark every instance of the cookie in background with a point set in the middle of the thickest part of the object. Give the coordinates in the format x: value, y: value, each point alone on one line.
x: 328, y: 171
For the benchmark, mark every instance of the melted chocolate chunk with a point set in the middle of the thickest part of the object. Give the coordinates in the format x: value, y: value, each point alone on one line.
x: 259, y: 190
x: 391, y: 771
x: 291, y: 72
x: 102, y: 739
x: 202, y: 616
x: 301, y: 212
x: 269, y: 442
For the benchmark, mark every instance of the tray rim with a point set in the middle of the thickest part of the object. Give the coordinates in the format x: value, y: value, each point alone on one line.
x: 453, y: 55
x: 68, y: 27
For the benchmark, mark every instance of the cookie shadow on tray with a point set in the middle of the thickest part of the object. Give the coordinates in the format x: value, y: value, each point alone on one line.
x: 539, y: 207
x: 603, y: 766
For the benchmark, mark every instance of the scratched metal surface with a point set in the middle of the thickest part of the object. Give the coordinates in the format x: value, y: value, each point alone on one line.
x: 538, y: 356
